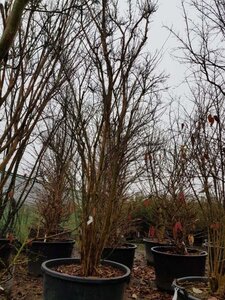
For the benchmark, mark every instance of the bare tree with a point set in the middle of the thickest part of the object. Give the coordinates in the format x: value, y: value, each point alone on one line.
x: 111, y: 100
x: 203, y: 49
x: 204, y: 41
x: 167, y: 183
x: 205, y: 155
x: 30, y: 77
x: 53, y: 194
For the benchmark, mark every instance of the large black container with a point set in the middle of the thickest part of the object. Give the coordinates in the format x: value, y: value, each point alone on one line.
x: 5, y: 252
x: 58, y: 286
x: 6, y: 271
x: 123, y: 255
x: 182, y: 294
x: 40, y: 251
x: 200, y: 236
x: 149, y: 244
x: 169, y: 266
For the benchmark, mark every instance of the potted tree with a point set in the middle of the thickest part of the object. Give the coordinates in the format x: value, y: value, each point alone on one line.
x: 53, y: 201
x: 105, y: 104
x: 211, y: 202
x: 205, y: 137
x: 157, y: 235
x: 177, y: 259
x: 26, y: 66
x: 117, y: 248
x: 165, y: 213
x: 211, y: 285
x: 166, y: 171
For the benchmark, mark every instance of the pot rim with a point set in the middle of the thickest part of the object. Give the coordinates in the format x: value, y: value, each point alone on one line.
x: 156, y: 249
x: 46, y: 268
x: 66, y: 241
x: 165, y: 241
x: 180, y: 289
x: 128, y: 246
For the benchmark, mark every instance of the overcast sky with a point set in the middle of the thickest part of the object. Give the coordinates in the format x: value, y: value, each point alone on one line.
x: 169, y: 14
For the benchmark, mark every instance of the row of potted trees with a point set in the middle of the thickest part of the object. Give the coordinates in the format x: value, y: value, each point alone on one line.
x: 186, y: 273
x: 173, y: 210
x: 106, y: 99
x: 179, y: 261
x: 170, y: 245
x: 89, y: 134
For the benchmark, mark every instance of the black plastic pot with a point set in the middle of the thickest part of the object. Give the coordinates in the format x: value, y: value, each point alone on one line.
x: 169, y: 266
x: 123, y: 255
x: 182, y: 294
x: 58, y: 286
x: 200, y: 236
x: 40, y: 251
x: 5, y: 252
x: 7, y: 276
x: 149, y: 243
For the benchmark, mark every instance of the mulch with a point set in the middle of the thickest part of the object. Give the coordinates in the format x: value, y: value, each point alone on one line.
x: 142, y: 285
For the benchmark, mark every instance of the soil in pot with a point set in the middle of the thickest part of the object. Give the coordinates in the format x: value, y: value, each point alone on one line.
x: 62, y: 280
x: 40, y: 251
x: 194, y: 288
x: 169, y: 265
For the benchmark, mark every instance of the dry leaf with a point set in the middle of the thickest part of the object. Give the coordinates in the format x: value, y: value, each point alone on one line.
x: 196, y: 291
x: 134, y: 296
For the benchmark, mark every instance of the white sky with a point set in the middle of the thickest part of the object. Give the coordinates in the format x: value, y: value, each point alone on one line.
x: 169, y: 14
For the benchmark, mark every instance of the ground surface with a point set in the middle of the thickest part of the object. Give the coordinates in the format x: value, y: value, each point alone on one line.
x: 141, y: 287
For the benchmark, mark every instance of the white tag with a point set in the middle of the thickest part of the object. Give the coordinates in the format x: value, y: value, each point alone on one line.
x: 1, y: 288
x: 90, y: 220
x: 175, y: 294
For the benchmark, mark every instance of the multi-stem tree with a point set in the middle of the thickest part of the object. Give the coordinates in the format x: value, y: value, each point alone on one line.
x: 203, y: 49
x: 206, y: 161
x: 53, y: 191
x: 111, y: 101
x: 166, y: 182
x: 31, y: 74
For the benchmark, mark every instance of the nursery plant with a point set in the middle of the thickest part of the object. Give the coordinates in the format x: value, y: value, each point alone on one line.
x: 205, y: 125
x: 166, y: 172
x: 30, y: 76
x: 210, y: 200
x: 202, y: 138
x: 169, y: 215
x: 170, y: 200
x: 107, y: 130
x: 179, y: 257
x: 110, y: 107
x: 53, y: 195
x: 25, y: 69
x: 50, y: 237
